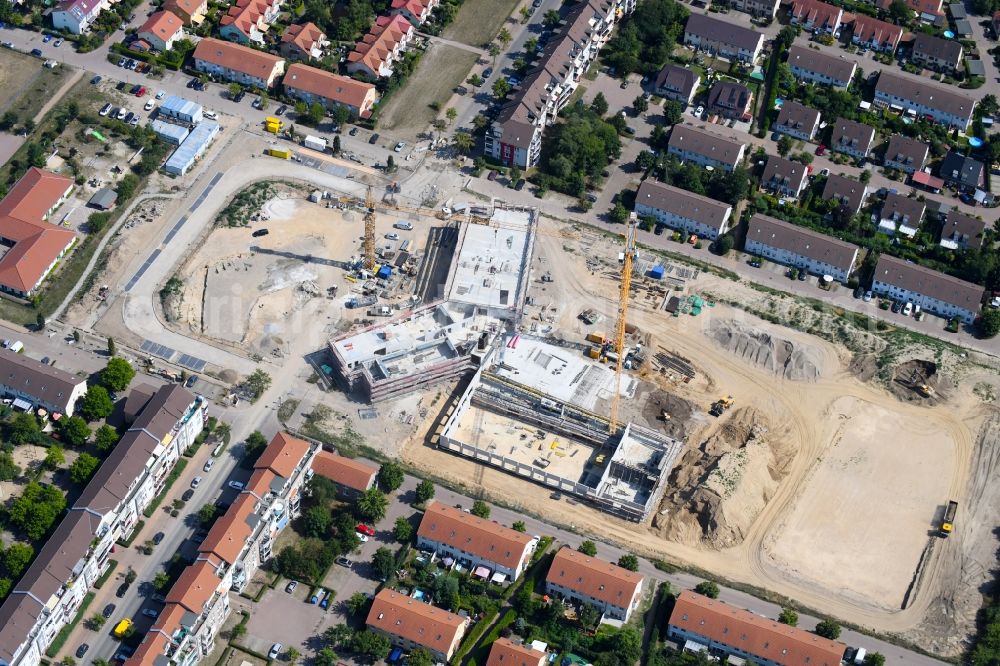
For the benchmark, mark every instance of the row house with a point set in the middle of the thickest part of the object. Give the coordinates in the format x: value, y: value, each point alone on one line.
x: 76, y: 16
x: 247, y: 21
x: 764, y: 9
x: 874, y: 34
x: 35, y: 384
x: 692, y: 144
x: 416, y: 12
x: 161, y: 424
x: 961, y: 231
x: 798, y: 247
x: 303, y: 41
x: 784, y: 177
x: 615, y: 592
x: 411, y: 624
x: 730, y: 100
x: 161, y: 30
x: 928, y: 10
x: 683, y: 210
x: 899, y: 92
x: 351, y: 476
x: 377, y: 52
x: 677, y: 83
x: 905, y: 154
x: 820, y: 68
x: 507, y: 652
x: 724, y: 39
x: 310, y: 84
x: 943, y: 55
x: 797, y: 120
x: 852, y: 138
x: 240, y: 64
x: 848, y: 193
x: 190, y: 12
x: 816, y: 16
x: 934, y: 292
x: 901, y: 215
x: 515, y: 137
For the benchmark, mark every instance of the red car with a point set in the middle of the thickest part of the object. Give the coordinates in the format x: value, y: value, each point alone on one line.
x: 821, y: 150
x: 366, y: 530
x: 141, y: 92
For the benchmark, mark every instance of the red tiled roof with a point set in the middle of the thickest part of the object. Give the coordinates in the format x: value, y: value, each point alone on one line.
x: 594, y: 578
x: 375, y: 47
x: 346, y: 472
x: 195, y: 587
x: 506, y: 652
x: 303, y: 35
x: 924, y: 178
x: 185, y: 7
x: 245, y: 14
x: 237, y: 58
x: 415, y: 7
x: 867, y: 29
x: 283, y: 454
x: 336, y: 88
x: 414, y: 620
x: 472, y: 534
x: 230, y: 532
x: 153, y: 645
x: 919, y: 6
x: 164, y: 24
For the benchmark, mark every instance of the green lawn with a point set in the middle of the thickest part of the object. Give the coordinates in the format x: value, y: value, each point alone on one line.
x: 479, y: 21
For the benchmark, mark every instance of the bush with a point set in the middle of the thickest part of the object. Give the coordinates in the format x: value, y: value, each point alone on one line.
x: 708, y: 589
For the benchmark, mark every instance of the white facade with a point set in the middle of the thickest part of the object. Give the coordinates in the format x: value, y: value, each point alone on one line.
x: 705, y: 160
x: 788, y: 258
x: 77, y: 17
x: 676, y: 220
x: 609, y: 610
x: 445, y: 550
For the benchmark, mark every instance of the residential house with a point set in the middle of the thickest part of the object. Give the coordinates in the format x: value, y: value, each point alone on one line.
x: 191, y: 12
x: 900, y: 92
x: 248, y: 20
x: 411, y: 624
x: 377, y: 52
x: 677, y: 83
x: 52, y: 590
x: 797, y: 120
x: 820, y: 68
x: 515, y: 137
x: 784, y: 177
x: 905, y: 154
x: 475, y: 542
x: 32, y: 384
x: 943, y: 55
x: 32, y: 246
x: 161, y: 30
x: 730, y: 100
x: 961, y: 171
x: 961, y: 231
x: 929, y: 11
x: 935, y: 292
x: 683, y: 210
x: 692, y: 144
x: 901, y: 214
x: 816, y: 16
x: 310, y: 84
x: 852, y: 138
x: 874, y: 34
x: 506, y: 652
x: 724, y: 39
x: 614, y: 591
x: 76, y: 16
x: 792, y: 245
x: 241, y: 64
x: 351, y: 476
x: 708, y: 624
x: 416, y: 12
x: 765, y: 9
x: 303, y: 41
x: 848, y: 193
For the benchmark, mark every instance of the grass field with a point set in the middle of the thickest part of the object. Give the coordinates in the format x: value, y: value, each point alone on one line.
x: 34, y: 93
x: 17, y: 73
x: 441, y: 69
x: 479, y: 21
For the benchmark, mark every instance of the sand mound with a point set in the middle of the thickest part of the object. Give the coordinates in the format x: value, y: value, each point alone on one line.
x: 720, y: 487
x: 784, y: 358
x: 280, y: 208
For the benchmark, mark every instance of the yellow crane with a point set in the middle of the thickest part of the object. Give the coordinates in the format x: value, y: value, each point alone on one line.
x: 618, y: 340
x: 369, y: 244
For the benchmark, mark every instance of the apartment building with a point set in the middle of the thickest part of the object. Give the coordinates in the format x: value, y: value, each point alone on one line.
x: 412, y: 624
x: 692, y: 144
x: 303, y: 41
x: 961, y: 231
x: 820, y: 68
x: 848, y: 193
x: 77, y: 16
x: 683, y: 210
x: 614, y: 591
x: 797, y: 120
x: 506, y: 652
x: 33, y: 384
x: 730, y: 100
x: 801, y: 248
x: 416, y: 12
x: 724, y: 39
x: 726, y: 631
x: 901, y: 214
x: 905, y: 154
x: 377, y: 52
x: 899, y: 92
x: 852, y: 138
x: 816, y: 16
x: 352, y: 476
x: 49, y: 594
x: 935, y: 292
x: 161, y: 30
x: 515, y: 137
x: 765, y: 9
x: 677, y: 83
x: 943, y: 55
x: 475, y: 542
x: 247, y: 21
x: 310, y: 84
x: 240, y: 64
x: 784, y: 177
x: 876, y: 35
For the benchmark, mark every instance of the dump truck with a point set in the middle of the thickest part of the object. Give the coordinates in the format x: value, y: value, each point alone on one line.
x: 122, y: 628
x: 360, y: 302
x: 948, y: 523
x: 271, y: 120
x: 283, y: 153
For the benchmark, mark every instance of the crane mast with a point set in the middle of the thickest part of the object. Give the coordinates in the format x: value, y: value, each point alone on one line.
x: 369, y: 244
x: 618, y: 342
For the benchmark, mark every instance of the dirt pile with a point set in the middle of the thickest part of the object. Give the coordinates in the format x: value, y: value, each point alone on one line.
x: 917, y: 381
x: 783, y: 357
x: 666, y: 411
x: 720, y: 486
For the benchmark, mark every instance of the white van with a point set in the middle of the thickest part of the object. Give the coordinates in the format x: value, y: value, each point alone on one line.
x: 211, y: 115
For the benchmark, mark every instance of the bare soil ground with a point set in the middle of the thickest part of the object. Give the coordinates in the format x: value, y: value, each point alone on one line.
x: 18, y: 72
x: 479, y: 21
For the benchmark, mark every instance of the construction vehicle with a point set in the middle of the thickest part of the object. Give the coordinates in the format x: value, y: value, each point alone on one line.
x: 948, y: 522
x: 360, y: 302
x: 122, y: 628
x: 282, y: 153
x: 618, y: 343
x: 720, y: 406
x: 597, y: 338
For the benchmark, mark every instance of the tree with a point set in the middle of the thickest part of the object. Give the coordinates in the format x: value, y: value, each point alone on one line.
x: 36, y: 509
x: 645, y: 160
x: 112, y: 348
x: 74, y: 430
x: 789, y: 617
x: 425, y: 491
x: 96, y: 621
x: 206, y: 514
x: 390, y: 476
x: 515, y: 174
x: 530, y: 46
x: 463, y: 142
x: 117, y: 374
x: 17, y: 558
x: 501, y: 88
x: 784, y: 145
x: 599, y: 105
x: 9, y: 470
x: 256, y: 384
x: 23, y: 428
x: 707, y: 588
x: 40, y: 321
x: 504, y: 36
x: 127, y: 186
x: 629, y: 561
x: 234, y: 90
x: 293, y: 655
x: 357, y: 604
x: 76, y: 336
x: 724, y: 245
x: 384, y: 563
x: 588, y: 616
x: 263, y: 101
x: 786, y: 36
x: 551, y: 19
x: 238, y: 631
x: 372, y: 645
x: 588, y: 548
x: 340, y: 635
x: 519, y: 526
x: 105, y: 438
x: 316, y: 521
x: 451, y: 113
x: 371, y: 505
x: 402, y: 530
x: 336, y: 145
x: 54, y: 457
x: 254, y: 445
x: 866, y: 176
x: 900, y: 13
x: 481, y: 509
x: 96, y: 403
x: 619, y: 214
x: 989, y: 323
x: 640, y: 104
x: 874, y: 659
x: 828, y: 628
x: 83, y: 468
x: 326, y: 657
x: 419, y: 657
x: 390, y: 164
x: 161, y: 580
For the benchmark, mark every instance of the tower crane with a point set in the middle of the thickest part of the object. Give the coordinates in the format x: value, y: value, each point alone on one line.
x: 369, y: 244
x: 618, y: 341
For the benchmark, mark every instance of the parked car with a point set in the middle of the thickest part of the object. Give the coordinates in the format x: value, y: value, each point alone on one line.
x: 257, y: 103
x: 292, y: 584
x: 46, y: 39
x: 208, y: 465
x: 281, y: 110
x: 314, y: 597
x: 195, y: 482
x: 344, y: 562
x: 141, y: 91
x: 405, y: 226
x: 399, y: 146
x: 896, y: 306
x: 105, y: 110
x: 821, y: 150
x: 239, y: 96
x: 365, y: 529
x: 908, y: 309
x: 488, y: 72
x: 122, y: 590
x: 121, y: 114
x: 260, y: 232
x: 160, y: 94
x: 373, y: 139
x: 108, y: 611
x: 392, y: 236
x: 148, y: 106
x: 362, y: 537
x: 129, y: 116
x: 354, y: 131
x: 191, y: 381
x: 36, y: 52
x: 151, y: 612
x: 236, y: 485
x: 867, y: 297
x: 157, y: 538
x: 58, y: 43
x: 94, y: 81
x: 274, y: 651
x: 82, y: 650
x: 188, y: 494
